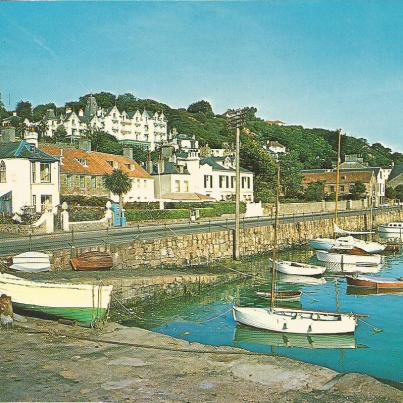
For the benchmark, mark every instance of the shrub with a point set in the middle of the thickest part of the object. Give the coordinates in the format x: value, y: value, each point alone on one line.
x: 78, y: 200
x: 86, y: 213
x: 152, y: 215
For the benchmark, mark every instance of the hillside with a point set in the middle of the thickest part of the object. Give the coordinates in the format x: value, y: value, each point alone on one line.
x: 308, y: 148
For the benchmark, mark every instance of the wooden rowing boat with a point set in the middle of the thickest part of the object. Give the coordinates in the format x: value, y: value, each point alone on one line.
x: 282, y: 295
x: 375, y: 282
x: 92, y: 261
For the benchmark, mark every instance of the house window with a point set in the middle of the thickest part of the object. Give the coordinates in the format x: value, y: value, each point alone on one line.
x: 177, y: 186
x: 94, y: 182
x: 82, y: 181
x: 33, y: 172
x: 45, y: 172
x: 248, y: 179
x: 208, y: 181
x: 332, y: 189
x: 232, y: 182
x: 69, y: 181
x: 45, y: 200
x: 3, y: 178
x: 342, y: 188
x: 34, y: 201
x: 221, y: 181
x: 227, y: 182
x: 186, y: 183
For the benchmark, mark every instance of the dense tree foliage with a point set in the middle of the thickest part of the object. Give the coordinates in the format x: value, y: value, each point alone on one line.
x: 357, y: 190
x: 315, y: 192
x: 3, y: 111
x: 24, y: 110
x: 40, y: 110
x: 201, y: 106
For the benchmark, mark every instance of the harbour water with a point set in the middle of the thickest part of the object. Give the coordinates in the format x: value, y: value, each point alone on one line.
x: 376, y: 348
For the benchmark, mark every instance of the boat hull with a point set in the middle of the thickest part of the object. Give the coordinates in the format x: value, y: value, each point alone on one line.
x: 297, y: 269
x: 342, y: 258
x: 30, y: 262
x: 281, y: 295
x: 375, y: 283
x: 85, y: 304
x: 327, y: 244
x: 392, y: 228
x: 92, y: 261
x: 295, y: 321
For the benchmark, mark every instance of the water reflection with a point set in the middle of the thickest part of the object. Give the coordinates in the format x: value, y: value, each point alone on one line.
x: 245, y: 337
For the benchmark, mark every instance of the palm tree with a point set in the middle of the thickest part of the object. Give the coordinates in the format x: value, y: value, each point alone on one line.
x: 118, y: 183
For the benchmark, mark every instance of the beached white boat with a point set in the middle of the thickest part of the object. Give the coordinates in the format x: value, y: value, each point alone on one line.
x: 395, y: 228
x: 298, y: 269
x: 348, y: 257
x: 346, y: 241
x: 85, y: 304
x: 295, y: 321
x: 30, y: 262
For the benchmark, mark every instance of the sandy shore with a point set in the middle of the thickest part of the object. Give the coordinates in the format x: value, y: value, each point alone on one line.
x: 46, y: 361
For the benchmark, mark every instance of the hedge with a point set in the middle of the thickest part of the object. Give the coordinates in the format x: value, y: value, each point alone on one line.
x: 78, y: 200
x: 152, y: 215
x: 86, y: 213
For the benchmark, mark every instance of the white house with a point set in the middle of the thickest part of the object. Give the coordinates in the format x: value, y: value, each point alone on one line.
x: 275, y: 148
x: 213, y: 177
x: 135, y: 128
x: 28, y: 177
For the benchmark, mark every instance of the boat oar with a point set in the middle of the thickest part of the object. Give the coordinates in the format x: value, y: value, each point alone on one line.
x: 374, y: 328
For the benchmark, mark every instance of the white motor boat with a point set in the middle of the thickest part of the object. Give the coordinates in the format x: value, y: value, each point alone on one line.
x: 289, y: 278
x: 295, y: 321
x: 298, y: 269
x: 347, y: 256
x: 395, y: 228
x: 353, y: 268
x: 30, y: 262
x: 346, y: 241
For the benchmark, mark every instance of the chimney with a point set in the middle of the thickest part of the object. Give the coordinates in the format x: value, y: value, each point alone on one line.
x: 128, y: 152
x: 14, y: 113
x: 68, y: 109
x: 31, y: 137
x: 7, y: 134
x: 84, y: 144
x: 80, y: 112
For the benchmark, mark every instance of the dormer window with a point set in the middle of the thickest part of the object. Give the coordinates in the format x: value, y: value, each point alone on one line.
x: 82, y: 161
x: 110, y: 163
x: 3, y: 172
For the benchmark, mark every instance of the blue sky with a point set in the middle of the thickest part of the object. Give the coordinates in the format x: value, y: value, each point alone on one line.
x: 316, y: 63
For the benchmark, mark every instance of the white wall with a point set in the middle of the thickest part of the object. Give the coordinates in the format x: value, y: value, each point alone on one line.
x: 19, y: 182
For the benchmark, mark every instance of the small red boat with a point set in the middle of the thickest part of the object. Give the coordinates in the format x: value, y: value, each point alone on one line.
x: 282, y: 295
x: 375, y: 282
x: 92, y: 261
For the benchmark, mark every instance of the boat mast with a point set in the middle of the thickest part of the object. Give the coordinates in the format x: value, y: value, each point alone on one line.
x: 336, y: 208
x: 274, y: 251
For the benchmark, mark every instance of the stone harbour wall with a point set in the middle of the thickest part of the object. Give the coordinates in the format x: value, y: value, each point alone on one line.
x: 204, y: 248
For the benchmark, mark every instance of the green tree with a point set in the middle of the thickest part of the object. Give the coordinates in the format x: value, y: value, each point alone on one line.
x: 104, y: 99
x: 399, y: 192
x: 119, y: 184
x: 3, y: 111
x: 24, y: 110
x: 315, y: 192
x: 40, y: 111
x: 390, y: 193
x: 291, y: 177
x: 357, y: 190
x: 60, y: 134
x: 200, y: 106
x: 105, y: 142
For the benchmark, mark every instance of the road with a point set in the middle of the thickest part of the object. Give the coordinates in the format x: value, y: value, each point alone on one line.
x: 56, y: 241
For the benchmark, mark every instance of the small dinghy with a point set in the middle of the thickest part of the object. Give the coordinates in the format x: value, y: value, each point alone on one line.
x: 92, y: 261
x: 298, y: 269
x: 295, y: 321
x: 282, y: 295
x: 86, y: 304
x: 30, y: 262
x: 377, y: 283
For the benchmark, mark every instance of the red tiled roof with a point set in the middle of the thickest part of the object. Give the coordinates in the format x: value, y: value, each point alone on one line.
x: 330, y: 177
x: 96, y: 162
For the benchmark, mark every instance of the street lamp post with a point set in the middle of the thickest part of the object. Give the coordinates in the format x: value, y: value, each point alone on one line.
x: 236, y: 120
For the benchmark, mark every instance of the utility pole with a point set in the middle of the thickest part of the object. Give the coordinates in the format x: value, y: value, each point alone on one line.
x: 236, y: 120
x: 336, y: 208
